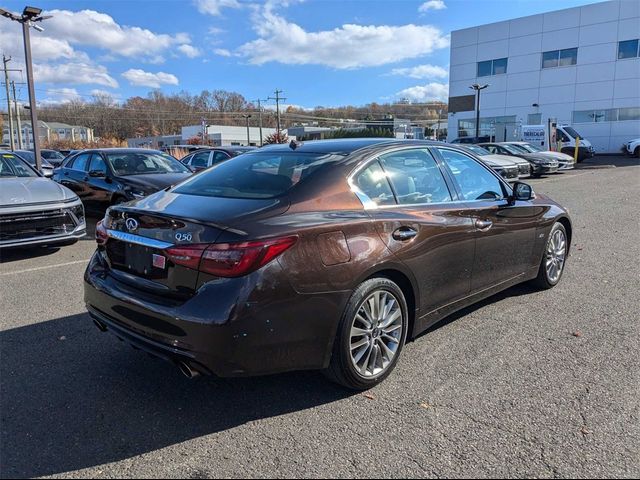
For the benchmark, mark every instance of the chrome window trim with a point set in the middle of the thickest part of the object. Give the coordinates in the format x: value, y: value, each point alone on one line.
x: 138, y: 240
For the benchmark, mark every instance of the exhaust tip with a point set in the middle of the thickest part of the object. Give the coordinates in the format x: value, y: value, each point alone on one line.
x: 187, y: 371
x: 101, y: 326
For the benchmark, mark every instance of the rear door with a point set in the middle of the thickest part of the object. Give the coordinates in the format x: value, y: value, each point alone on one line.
x: 99, y: 189
x: 505, y: 231
x: 74, y: 175
x: 419, y: 218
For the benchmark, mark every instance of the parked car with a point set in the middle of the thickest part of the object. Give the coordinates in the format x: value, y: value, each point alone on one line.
x: 104, y: 177
x: 29, y: 156
x: 503, y: 165
x: 171, y: 149
x: 35, y: 210
x: 317, y: 255
x: 54, y: 157
x: 565, y: 162
x: 485, y: 138
x: 206, y: 157
x: 632, y: 147
x: 539, y: 163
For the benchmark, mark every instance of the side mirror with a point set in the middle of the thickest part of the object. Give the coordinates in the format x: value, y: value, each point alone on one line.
x: 47, y: 173
x: 97, y: 174
x: 522, y: 191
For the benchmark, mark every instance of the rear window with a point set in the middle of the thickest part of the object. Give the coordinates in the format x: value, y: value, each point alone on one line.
x: 257, y: 175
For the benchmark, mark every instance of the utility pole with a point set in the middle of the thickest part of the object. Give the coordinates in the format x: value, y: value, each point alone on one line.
x: 247, y: 117
x: 6, y: 60
x: 277, y: 98
x: 259, y: 118
x: 478, y: 88
x: 18, y: 121
x: 204, y: 130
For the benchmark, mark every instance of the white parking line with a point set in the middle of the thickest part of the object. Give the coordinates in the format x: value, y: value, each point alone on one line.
x: 44, y: 268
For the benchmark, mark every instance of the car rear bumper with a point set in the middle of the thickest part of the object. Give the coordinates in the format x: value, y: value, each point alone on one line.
x: 252, y: 325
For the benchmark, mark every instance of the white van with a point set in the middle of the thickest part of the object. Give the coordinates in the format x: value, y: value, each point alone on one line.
x: 567, y: 135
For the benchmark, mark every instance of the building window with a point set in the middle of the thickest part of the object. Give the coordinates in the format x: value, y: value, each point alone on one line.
x: 534, y: 119
x: 628, y: 49
x: 606, y: 115
x: 560, y: 58
x: 492, y: 67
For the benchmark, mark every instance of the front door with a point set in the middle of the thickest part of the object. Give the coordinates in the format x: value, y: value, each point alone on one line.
x: 504, y: 231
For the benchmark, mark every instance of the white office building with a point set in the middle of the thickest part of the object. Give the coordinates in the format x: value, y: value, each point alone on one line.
x: 578, y: 66
x: 226, y: 135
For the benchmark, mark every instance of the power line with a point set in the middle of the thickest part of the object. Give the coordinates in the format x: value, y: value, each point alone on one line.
x: 277, y: 98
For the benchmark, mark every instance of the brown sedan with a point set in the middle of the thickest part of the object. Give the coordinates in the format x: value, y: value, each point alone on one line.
x: 324, y: 255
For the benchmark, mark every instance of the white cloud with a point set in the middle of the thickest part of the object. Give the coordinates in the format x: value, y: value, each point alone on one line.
x: 421, y: 72
x: 214, y: 7
x: 189, y: 50
x: 61, y: 95
x: 425, y: 93
x: 223, y: 52
x: 432, y: 5
x: 74, y: 73
x: 95, y: 29
x: 348, y: 46
x: 140, y: 78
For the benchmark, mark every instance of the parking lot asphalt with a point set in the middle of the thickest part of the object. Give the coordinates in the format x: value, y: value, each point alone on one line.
x: 525, y: 383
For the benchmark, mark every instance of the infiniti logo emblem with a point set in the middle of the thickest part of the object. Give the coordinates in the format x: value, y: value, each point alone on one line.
x: 131, y: 224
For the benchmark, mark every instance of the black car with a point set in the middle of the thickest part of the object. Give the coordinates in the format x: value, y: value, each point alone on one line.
x: 116, y: 175
x: 540, y: 164
x: 205, y: 158
x: 482, y: 139
x: 54, y: 157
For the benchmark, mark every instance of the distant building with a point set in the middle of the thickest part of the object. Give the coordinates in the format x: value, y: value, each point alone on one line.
x: 309, y: 132
x: 48, y: 131
x: 154, y: 142
x: 226, y: 135
x: 578, y: 66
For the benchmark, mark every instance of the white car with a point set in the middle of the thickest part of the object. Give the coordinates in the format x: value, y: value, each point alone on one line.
x: 565, y: 162
x: 632, y: 147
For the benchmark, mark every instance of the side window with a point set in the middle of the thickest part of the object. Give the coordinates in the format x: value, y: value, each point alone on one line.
x: 97, y: 164
x: 187, y: 160
x: 200, y: 160
x: 373, y: 183
x: 81, y: 161
x: 219, y: 157
x: 415, y: 177
x: 475, y: 181
x: 491, y: 148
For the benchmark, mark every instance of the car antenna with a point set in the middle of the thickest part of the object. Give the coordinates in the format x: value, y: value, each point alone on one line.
x: 295, y: 144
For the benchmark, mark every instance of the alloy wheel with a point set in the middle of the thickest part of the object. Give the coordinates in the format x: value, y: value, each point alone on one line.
x: 555, y: 255
x: 376, y: 333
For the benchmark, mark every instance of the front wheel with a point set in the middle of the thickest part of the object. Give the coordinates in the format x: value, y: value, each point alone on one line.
x: 553, y: 260
x: 370, y: 336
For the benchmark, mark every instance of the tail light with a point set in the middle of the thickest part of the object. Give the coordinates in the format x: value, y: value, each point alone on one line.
x: 230, y: 259
x: 101, y: 233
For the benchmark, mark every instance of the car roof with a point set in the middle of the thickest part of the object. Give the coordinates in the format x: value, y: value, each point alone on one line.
x: 121, y: 150
x: 344, y: 146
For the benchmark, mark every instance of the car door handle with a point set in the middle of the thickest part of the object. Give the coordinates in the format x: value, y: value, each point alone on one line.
x: 483, y: 225
x: 404, y: 233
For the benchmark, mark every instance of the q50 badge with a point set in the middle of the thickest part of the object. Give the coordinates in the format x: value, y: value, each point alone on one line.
x: 184, y: 237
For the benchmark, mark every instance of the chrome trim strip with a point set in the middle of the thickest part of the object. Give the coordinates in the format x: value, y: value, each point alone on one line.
x: 138, y: 240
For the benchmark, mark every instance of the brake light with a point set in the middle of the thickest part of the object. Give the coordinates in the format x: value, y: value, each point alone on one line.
x: 230, y: 259
x: 101, y: 233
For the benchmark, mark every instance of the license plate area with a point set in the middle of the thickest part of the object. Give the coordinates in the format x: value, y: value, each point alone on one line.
x: 146, y: 262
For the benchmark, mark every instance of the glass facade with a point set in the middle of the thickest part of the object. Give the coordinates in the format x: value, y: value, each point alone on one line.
x: 606, y: 115
x: 467, y: 127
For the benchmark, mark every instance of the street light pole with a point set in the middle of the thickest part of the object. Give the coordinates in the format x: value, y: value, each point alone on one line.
x: 28, y: 19
x: 247, y: 117
x: 12, y: 141
x: 18, y: 120
x: 477, y: 88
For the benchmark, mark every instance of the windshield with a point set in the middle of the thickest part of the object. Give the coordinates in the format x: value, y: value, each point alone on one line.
x: 51, y: 155
x: 513, y: 150
x: 531, y: 148
x: 257, y: 175
x: 478, y: 150
x: 144, y: 163
x: 572, y: 132
x: 13, y: 166
x: 28, y: 156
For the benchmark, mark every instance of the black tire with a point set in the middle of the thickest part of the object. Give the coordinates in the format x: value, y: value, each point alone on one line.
x: 543, y: 280
x: 636, y: 152
x: 341, y: 367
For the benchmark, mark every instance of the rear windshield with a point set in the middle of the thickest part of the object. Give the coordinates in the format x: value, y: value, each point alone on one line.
x: 257, y: 175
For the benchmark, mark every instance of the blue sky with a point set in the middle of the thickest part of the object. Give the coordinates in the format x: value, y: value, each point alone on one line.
x: 320, y: 52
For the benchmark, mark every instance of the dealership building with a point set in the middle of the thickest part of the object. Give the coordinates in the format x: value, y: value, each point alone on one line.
x: 578, y: 66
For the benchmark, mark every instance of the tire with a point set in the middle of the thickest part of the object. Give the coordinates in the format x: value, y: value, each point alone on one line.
x: 547, y: 276
x: 366, y: 367
x: 636, y: 152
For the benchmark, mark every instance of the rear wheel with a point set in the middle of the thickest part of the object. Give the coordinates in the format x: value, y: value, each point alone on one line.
x: 553, y: 260
x: 370, y: 336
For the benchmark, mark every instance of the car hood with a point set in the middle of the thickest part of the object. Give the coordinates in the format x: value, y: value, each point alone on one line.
x: 29, y: 190
x: 499, y: 160
x: 535, y: 157
x: 154, y: 181
x: 561, y: 157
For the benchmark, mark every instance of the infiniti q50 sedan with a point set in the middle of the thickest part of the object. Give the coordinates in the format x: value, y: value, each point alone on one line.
x: 323, y: 255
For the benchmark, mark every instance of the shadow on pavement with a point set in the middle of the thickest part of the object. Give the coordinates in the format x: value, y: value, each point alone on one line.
x: 87, y: 399
x: 600, y: 161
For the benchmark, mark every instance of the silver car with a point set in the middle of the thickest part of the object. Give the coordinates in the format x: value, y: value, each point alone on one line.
x: 35, y: 210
